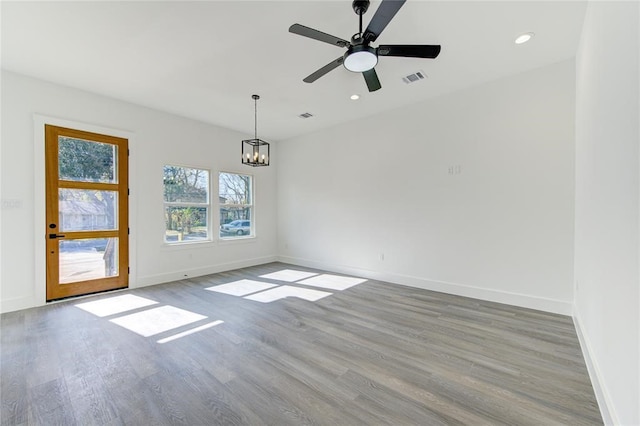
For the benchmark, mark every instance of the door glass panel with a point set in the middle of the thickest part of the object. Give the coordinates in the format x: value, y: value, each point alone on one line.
x: 87, y: 210
x: 88, y: 259
x: 85, y: 161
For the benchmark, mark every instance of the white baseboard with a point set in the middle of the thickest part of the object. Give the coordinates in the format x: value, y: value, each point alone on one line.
x: 26, y: 302
x: 17, y: 303
x: 515, y: 299
x: 198, y: 272
x: 607, y: 411
x: 526, y: 301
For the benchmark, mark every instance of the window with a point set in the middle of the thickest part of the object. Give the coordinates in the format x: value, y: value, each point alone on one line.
x: 186, y: 204
x: 235, y: 195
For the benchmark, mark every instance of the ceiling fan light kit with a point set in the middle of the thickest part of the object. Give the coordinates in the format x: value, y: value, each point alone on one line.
x: 360, y: 58
x: 360, y: 55
x: 255, y: 152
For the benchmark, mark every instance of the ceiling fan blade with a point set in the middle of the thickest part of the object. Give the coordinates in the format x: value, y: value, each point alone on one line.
x: 324, y: 70
x: 409, y: 50
x: 385, y: 13
x: 371, y: 77
x: 317, y: 35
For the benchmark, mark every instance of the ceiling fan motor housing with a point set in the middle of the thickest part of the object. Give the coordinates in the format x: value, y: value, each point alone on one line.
x: 360, y: 6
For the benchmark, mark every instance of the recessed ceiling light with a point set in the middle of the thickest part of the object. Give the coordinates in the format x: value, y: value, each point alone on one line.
x: 355, y: 97
x: 523, y: 38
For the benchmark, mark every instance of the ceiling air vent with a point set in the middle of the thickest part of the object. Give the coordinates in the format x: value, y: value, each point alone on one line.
x: 416, y: 76
x: 305, y: 115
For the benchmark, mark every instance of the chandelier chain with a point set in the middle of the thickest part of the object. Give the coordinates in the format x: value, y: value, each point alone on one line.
x: 255, y: 114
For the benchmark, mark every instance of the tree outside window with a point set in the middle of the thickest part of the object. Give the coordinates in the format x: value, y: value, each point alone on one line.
x: 236, y: 205
x: 186, y: 204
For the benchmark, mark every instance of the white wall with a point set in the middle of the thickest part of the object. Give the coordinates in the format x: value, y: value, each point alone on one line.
x: 501, y: 229
x: 156, y: 138
x: 607, y: 253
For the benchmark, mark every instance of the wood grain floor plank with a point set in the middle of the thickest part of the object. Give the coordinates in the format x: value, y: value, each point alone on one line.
x: 51, y: 404
x: 13, y: 390
x: 375, y: 353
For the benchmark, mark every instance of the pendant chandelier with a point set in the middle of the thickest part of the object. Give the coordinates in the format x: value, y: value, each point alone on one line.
x: 255, y: 152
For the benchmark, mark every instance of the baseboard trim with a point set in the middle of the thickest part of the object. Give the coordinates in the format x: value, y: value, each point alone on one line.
x: 17, y: 304
x: 515, y: 299
x: 198, y: 272
x: 526, y: 301
x: 607, y: 411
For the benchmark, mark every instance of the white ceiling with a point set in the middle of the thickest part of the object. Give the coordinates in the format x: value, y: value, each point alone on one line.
x: 205, y: 59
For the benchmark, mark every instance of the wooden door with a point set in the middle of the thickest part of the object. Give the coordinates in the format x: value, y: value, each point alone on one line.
x: 87, y: 212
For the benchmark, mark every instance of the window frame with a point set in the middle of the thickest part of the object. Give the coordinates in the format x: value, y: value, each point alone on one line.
x: 250, y: 206
x: 208, y: 206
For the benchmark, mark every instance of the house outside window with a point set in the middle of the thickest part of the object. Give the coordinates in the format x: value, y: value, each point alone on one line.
x: 186, y: 205
x: 236, y: 205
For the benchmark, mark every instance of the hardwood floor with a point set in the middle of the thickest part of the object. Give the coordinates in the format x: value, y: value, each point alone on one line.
x: 373, y: 353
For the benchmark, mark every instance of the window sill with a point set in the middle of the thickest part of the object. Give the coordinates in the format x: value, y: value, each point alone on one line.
x: 188, y: 244
x: 238, y: 240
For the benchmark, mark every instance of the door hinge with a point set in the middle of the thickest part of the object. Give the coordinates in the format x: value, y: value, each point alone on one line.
x: 128, y: 152
x: 128, y: 191
x: 128, y: 270
x: 128, y: 231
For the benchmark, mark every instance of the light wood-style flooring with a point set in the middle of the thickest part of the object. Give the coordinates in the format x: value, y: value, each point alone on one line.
x: 371, y: 354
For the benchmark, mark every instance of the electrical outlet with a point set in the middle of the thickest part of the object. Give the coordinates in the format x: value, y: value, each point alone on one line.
x: 455, y: 169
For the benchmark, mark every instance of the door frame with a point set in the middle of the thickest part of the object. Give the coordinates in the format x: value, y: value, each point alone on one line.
x: 39, y: 199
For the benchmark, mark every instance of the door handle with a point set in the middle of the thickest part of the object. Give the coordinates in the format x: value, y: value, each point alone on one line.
x: 54, y: 236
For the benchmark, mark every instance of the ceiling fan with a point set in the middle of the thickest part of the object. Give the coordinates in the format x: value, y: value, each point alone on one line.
x: 360, y: 55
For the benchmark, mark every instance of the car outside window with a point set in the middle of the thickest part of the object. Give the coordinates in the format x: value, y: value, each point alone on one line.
x: 236, y: 205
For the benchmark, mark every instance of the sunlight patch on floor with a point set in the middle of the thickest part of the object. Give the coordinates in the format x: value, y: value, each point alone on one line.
x: 156, y: 320
x: 288, y: 275
x: 188, y: 332
x: 332, y: 282
x: 241, y: 288
x: 115, y: 305
x: 265, y: 292
x: 288, y: 291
